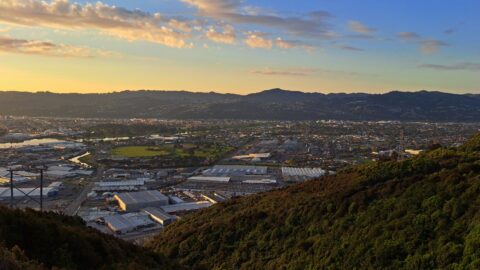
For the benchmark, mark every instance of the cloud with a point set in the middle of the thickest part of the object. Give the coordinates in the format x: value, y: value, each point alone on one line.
x: 408, y: 36
x: 305, y: 71
x: 430, y: 46
x: 45, y: 48
x: 468, y: 66
x: 214, y: 6
x: 228, y: 35
x: 450, y: 31
x: 312, y: 25
x: 131, y: 25
x: 427, y: 46
x: 349, y: 48
x: 360, y: 28
x: 291, y: 44
x: 285, y: 72
x: 258, y: 40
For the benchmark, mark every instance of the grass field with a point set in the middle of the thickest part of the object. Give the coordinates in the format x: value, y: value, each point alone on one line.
x: 183, y: 151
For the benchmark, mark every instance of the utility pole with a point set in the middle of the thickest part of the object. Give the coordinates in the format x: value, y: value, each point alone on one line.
x: 11, y: 188
x: 41, y: 190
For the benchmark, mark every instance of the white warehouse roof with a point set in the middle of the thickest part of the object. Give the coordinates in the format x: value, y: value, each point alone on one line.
x: 185, y: 206
x: 308, y: 172
x: 210, y: 179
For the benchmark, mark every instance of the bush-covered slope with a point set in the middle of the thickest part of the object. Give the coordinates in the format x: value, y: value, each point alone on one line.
x: 422, y: 213
x: 33, y: 240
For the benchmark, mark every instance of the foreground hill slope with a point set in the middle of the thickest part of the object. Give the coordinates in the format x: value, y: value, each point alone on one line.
x: 421, y: 213
x: 32, y: 240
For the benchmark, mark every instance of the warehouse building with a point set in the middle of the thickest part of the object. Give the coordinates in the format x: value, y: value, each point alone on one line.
x: 121, y: 224
x: 134, y: 201
x: 129, y: 185
x: 159, y: 215
x: 301, y: 174
x: 214, y: 179
x: 235, y: 170
x: 181, y: 207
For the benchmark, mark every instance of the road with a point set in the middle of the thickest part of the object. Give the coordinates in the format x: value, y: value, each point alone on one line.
x: 74, y: 206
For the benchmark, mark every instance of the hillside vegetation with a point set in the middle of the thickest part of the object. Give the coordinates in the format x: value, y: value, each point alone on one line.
x: 33, y: 240
x: 274, y: 104
x: 421, y: 213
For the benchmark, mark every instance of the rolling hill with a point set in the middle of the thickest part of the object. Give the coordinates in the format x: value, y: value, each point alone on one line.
x: 421, y: 213
x: 33, y: 240
x: 275, y: 104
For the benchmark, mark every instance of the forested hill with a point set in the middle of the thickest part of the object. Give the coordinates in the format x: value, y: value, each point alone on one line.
x: 33, y: 240
x: 421, y: 213
x: 275, y: 104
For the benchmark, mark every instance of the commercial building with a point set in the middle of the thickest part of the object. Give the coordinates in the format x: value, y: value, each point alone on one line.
x: 159, y: 215
x: 121, y: 224
x: 128, y: 185
x: 235, y: 170
x: 215, y: 179
x: 134, y: 201
x: 181, y: 207
x: 301, y: 174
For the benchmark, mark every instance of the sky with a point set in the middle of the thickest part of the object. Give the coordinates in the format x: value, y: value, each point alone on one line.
x: 240, y: 46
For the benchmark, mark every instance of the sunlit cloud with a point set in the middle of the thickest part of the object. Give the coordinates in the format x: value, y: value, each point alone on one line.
x: 291, y: 44
x: 258, y: 40
x: 226, y: 36
x: 131, y: 25
x: 312, y: 25
x: 24, y: 46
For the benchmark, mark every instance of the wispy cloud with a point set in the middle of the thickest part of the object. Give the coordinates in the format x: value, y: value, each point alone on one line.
x: 256, y: 39
x: 313, y: 24
x: 430, y: 46
x: 291, y: 44
x: 24, y: 46
x: 408, y: 36
x: 285, y: 72
x: 349, y: 48
x: 427, y: 46
x: 301, y: 71
x: 119, y: 22
x: 361, y: 29
x: 468, y: 66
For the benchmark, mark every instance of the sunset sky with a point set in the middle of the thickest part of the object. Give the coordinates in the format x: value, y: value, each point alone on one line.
x: 240, y: 46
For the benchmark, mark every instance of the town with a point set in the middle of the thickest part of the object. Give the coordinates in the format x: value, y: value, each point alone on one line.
x: 131, y: 178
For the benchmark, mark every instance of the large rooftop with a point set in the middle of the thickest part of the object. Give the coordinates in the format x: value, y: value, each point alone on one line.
x: 142, y: 197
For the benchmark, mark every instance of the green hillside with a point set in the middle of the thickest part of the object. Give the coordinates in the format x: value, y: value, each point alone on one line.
x: 422, y: 213
x: 32, y: 240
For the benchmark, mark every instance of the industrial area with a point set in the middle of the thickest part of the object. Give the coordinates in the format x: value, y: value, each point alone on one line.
x: 131, y: 178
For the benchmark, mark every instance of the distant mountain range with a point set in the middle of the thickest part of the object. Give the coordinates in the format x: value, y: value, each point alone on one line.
x: 274, y: 104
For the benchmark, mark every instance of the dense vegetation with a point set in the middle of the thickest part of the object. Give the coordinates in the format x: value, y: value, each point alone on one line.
x: 421, y: 213
x: 33, y: 240
x: 275, y: 104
